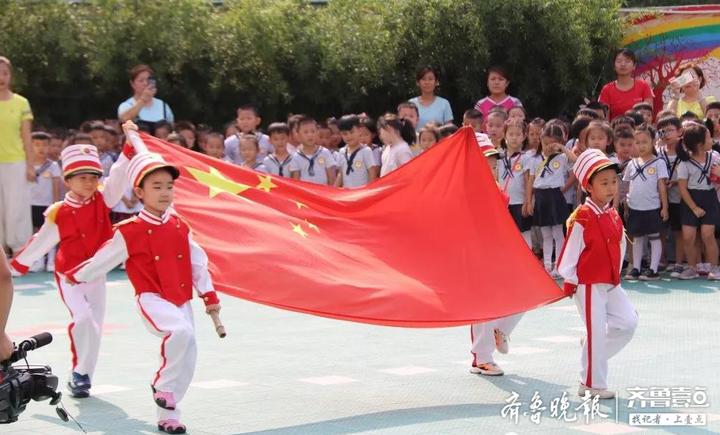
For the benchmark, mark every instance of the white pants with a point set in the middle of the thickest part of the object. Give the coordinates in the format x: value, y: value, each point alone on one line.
x: 178, y: 351
x: 86, y: 303
x: 483, y: 337
x: 15, y: 216
x: 610, y: 322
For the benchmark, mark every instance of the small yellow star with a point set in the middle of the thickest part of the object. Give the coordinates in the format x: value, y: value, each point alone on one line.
x: 299, y: 204
x: 217, y: 182
x: 298, y: 229
x: 312, y: 226
x: 266, y: 183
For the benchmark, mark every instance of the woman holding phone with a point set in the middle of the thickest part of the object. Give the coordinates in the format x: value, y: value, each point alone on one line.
x: 685, y: 88
x: 143, y: 107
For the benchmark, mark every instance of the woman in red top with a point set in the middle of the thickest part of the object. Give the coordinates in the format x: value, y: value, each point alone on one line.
x: 623, y: 93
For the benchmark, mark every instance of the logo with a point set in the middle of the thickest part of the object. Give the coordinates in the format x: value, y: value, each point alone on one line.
x: 358, y: 164
x: 556, y: 165
x: 321, y: 161
x: 517, y: 167
x: 85, y: 150
x: 651, y: 171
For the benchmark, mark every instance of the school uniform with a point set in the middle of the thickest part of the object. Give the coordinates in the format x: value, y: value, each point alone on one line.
x: 701, y: 190
x: 257, y: 166
x: 590, y: 263
x: 354, y: 166
x: 163, y: 264
x: 643, y: 198
x: 550, y: 205
x: 80, y: 227
x: 41, y: 191
x: 511, y: 179
x: 394, y: 156
x: 313, y: 168
x: 232, y: 147
x: 673, y: 192
x: 274, y: 166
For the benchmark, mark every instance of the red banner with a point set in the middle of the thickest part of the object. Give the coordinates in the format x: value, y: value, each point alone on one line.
x: 429, y: 245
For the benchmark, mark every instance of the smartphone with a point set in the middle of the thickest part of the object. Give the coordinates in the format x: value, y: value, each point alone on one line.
x: 152, y: 82
x: 684, y: 78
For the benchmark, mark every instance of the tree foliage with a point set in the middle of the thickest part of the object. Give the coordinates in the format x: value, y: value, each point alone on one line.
x: 71, y: 59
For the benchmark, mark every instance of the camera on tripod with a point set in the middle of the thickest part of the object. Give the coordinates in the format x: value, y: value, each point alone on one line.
x: 21, y: 383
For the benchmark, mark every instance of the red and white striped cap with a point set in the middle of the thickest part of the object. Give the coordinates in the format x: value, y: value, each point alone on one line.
x: 489, y: 150
x: 590, y: 162
x: 80, y: 159
x: 145, y: 163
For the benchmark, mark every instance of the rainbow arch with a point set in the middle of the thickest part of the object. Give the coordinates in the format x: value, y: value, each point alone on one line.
x: 658, y: 35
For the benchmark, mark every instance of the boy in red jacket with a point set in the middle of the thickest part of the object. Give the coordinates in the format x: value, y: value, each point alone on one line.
x: 80, y: 224
x: 590, y: 263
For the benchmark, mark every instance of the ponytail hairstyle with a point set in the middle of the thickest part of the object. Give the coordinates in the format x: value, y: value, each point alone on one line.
x: 693, y: 138
x: 554, y: 131
x: 403, y: 128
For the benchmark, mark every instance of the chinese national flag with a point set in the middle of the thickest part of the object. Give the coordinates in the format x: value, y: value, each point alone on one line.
x: 430, y: 245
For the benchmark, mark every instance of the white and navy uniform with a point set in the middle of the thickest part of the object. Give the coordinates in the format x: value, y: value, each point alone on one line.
x: 550, y: 176
x: 590, y: 263
x: 274, y: 166
x: 80, y: 227
x: 313, y: 168
x: 701, y: 190
x: 257, y: 166
x: 393, y: 156
x: 354, y: 166
x: 674, y: 199
x: 232, y: 147
x: 643, y: 198
x: 163, y: 264
x: 511, y: 171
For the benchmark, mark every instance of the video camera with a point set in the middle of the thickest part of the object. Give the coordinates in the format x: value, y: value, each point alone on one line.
x: 19, y: 384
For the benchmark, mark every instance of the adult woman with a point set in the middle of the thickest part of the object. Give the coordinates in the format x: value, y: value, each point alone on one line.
x: 622, y: 94
x: 498, y: 81
x: 16, y: 169
x: 431, y: 108
x: 691, y: 99
x: 143, y: 107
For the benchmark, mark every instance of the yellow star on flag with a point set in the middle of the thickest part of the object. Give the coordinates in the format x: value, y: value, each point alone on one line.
x: 217, y: 182
x: 312, y: 226
x: 266, y: 183
x: 299, y: 204
x: 298, y: 229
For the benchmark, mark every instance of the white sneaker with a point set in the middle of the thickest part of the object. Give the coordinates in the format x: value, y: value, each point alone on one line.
x: 501, y: 341
x: 677, y: 271
x: 714, y: 274
x: 688, y: 273
x: 583, y: 391
x: 487, y: 369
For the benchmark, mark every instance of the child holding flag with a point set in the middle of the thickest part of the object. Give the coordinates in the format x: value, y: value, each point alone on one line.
x: 163, y: 265
x: 590, y: 263
x: 81, y: 225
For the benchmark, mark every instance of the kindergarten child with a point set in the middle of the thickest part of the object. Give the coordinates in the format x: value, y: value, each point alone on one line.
x: 494, y: 127
x: 647, y: 202
x: 513, y: 176
x: 357, y: 165
x: 278, y: 161
x: 44, y: 191
x: 312, y: 163
x: 249, y: 149
x: 248, y: 121
x: 590, y: 263
x: 163, y: 265
x: 81, y: 225
x: 546, y: 185
x: 396, y: 134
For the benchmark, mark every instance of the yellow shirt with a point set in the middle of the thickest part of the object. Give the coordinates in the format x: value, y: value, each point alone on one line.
x: 694, y: 107
x: 12, y: 114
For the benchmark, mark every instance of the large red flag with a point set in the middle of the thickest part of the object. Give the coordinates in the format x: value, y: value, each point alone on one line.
x: 429, y: 245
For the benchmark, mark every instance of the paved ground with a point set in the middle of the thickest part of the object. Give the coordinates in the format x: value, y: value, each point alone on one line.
x: 286, y: 373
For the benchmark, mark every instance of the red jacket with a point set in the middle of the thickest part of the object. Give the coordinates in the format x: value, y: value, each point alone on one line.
x: 594, y: 248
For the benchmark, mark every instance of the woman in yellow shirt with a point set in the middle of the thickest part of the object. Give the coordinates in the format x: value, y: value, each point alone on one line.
x: 16, y: 169
x: 691, y: 99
